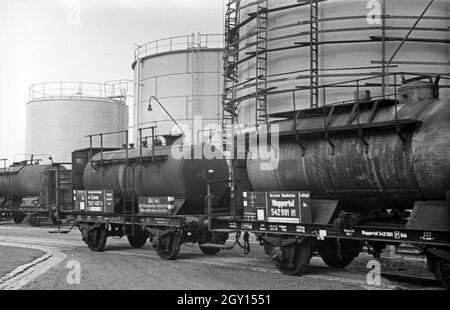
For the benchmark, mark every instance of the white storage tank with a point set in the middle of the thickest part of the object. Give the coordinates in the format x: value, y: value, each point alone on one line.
x: 185, y: 75
x: 350, y: 46
x: 60, y: 114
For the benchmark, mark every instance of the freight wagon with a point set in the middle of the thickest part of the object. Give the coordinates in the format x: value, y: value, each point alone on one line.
x: 367, y: 172
x: 34, y: 190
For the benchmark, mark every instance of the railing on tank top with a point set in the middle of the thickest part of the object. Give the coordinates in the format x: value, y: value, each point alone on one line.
x: 355, y: 86
x: 362, y: 84
x: 118, y: 90
x: 179, y: 43
x: 128, y: 163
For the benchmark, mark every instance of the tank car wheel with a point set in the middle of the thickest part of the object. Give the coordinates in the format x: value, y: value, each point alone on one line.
x: 298, y: 257
x: 18, y: 218
x: 441, y: 270
x: 216, y: 238
x: 330, y: 254
x: 96, y: 239
x: 34, y: 220
x: 139, y: 239
x: 168, y: 246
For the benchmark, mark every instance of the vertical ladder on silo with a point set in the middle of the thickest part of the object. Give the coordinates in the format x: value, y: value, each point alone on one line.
x: 195, y: 76
x: 261, y: 62
x: 314, y: 53
x: 231, y: 59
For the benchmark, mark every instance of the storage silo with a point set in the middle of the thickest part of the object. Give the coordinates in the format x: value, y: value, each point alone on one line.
x: 289, y: 50
x: 185, y: 75
x: 59, y: 115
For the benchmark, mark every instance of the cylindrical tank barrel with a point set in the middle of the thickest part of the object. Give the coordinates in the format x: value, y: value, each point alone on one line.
x: 181, y: 172
x: 24, y: 181
x: 393, y: 170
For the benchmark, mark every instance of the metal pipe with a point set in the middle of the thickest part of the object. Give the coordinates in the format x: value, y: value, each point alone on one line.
x: 409, y: 32
x: 140, y: 144
x: 167, y: 112
x: 90, y: 147
x: 126, y: 144
x: 101, y: 148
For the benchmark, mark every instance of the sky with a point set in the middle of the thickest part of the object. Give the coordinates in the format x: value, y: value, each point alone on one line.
x: 82, y: 40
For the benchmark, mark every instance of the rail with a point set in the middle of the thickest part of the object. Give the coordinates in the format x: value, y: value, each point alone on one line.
x: 117, y: 90
x: 179, y: 43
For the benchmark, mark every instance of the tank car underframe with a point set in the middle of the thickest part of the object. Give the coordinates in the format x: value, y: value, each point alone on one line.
x: 35, y: 214
x: 291, y: 246
x: 165, y: 233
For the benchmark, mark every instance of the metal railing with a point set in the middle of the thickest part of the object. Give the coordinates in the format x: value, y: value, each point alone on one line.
x: 179, y: 43
x: 119, y: 90
x: 369, y: 81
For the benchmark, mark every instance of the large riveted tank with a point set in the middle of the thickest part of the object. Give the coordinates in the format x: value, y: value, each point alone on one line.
x: 349, y: 46
x: 60, y: 115
x: 168, y: 174
x: 185, y: 74
x: 387, y: 173
x: 26, y: 180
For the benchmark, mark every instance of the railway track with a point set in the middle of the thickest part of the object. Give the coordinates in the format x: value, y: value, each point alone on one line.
x: 355, y: 274
x: 411, y: 279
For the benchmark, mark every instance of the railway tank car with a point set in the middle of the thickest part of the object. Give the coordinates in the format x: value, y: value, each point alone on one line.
x: 382, y: 169
x: 178, y: 177
x: 362, y: 158
x: 29, y: 189
x: 159, y: 191
x: 370, y: 163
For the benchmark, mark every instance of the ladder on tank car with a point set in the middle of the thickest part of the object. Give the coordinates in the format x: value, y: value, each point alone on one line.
x: 6, y: 172
x: 10, y: 194
x: 130, y: 191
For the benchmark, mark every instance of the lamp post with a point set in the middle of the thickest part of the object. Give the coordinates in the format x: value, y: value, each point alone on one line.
x: 167, y: 112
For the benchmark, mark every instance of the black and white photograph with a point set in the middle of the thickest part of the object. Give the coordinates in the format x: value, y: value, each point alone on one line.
x: 224, y: 152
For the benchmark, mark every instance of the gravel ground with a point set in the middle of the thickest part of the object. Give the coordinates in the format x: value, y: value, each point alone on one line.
x: 122, y: 267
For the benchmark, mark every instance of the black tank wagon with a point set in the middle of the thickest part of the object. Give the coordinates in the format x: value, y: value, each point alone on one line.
x: 34, y: 190
x: 372, y: 172
x: 147, y: 193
